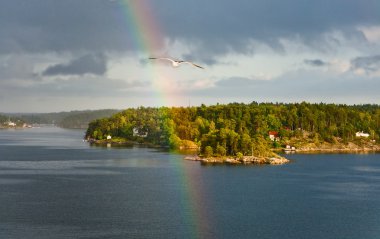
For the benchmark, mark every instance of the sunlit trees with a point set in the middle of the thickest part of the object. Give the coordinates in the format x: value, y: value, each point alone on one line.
x: 232, y: 128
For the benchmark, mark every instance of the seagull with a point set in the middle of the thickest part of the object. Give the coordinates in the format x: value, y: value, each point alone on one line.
x: 176, y: 63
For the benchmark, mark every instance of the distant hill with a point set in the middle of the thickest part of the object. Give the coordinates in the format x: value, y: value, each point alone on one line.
x: 72, y: 119
x: 81, y: 119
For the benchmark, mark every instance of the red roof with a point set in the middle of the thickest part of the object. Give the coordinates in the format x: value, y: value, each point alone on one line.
x: 274, y: 133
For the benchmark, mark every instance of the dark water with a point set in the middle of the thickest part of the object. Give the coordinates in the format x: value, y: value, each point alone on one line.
x: 53, y: 185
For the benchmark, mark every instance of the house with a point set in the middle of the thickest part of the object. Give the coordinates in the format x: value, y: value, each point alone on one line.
x: 362, y: 134
x: 273, y: 135
x: 11, y: 124
x: 289, y: 148
x: 109, y: 137
x: 139, y: 133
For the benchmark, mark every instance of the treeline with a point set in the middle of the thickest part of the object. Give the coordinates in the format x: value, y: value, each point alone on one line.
x: 81, y: 119
x: 4, y: 120
x: 72, y: 119
x: 239, y: 128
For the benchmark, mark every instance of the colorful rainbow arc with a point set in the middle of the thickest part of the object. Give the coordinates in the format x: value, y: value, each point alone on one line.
x: 147, y: 37
x: 145, y: 30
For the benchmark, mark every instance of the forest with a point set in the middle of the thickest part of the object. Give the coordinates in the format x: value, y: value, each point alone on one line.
x: 4, y: 120
x: 239, y: 128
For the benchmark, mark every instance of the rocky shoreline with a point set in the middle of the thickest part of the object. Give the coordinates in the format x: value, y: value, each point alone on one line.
x: 274, y: 159
x: 278, y: 160
x: 339, y: 150
x: 339, y: 147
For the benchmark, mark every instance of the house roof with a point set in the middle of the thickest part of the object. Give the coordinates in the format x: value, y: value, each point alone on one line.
x: 273, y: 133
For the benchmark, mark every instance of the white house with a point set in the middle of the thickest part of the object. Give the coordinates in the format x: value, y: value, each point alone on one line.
x: 109, y: 137
x: 137, y: 132
x: 289, y: 148
x: 11, y: 124
x: 362, y: 134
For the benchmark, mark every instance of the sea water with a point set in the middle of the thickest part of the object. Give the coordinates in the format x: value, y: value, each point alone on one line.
x: 54, y: 185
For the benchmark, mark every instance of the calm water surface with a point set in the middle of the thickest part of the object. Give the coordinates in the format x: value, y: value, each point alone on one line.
x: 53, y: 185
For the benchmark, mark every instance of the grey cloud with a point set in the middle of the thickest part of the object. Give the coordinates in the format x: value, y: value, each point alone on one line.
x: 312, y: 86
x: 201, y: 56
x: 236, y: 82
x: 315, y: 62
x: 368, y: 64
x: 216, y: 26
x: 76, y: 92
x: 89, y: 64
x: 76, y: 86
x: 70, y: 25
x: 16, y: 67
x: 221, y: 26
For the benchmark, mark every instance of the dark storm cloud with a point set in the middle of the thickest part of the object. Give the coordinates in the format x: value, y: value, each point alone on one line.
x: 315, y: 62
x: 70, y: 25
x: 95, y: 64
x: 368, y: 64
x: 215, y: 26
x: 221, y: 26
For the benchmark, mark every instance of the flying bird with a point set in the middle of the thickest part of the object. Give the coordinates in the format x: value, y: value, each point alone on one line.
x: 176, y: 63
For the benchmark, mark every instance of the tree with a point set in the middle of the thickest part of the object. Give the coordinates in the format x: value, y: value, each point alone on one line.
x: 220, y: 150
x: 208, y: 151
x: 245, y: 144
x: 260, y: 147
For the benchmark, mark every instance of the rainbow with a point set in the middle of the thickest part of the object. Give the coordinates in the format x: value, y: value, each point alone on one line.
x: 194, y: 208
x: 147, y: 38
x: 145, y: 31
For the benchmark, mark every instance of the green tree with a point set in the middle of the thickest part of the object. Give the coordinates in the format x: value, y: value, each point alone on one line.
x: 220, y: 150
x: 208, y: 151
x: 260, y: 147
x: 245, y: 144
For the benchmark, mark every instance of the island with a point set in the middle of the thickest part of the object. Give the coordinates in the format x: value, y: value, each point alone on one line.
x: 238, y: 133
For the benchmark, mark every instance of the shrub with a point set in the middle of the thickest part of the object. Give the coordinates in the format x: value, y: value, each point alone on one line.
x: 239, y: 155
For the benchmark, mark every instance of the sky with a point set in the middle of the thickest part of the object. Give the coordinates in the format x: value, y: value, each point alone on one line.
x: 94, y: 54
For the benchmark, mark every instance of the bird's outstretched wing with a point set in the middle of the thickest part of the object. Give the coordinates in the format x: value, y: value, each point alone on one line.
x: 197, y: 65
x: 190, y: 63
x: 176, y: 62
x: 162, y: 58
